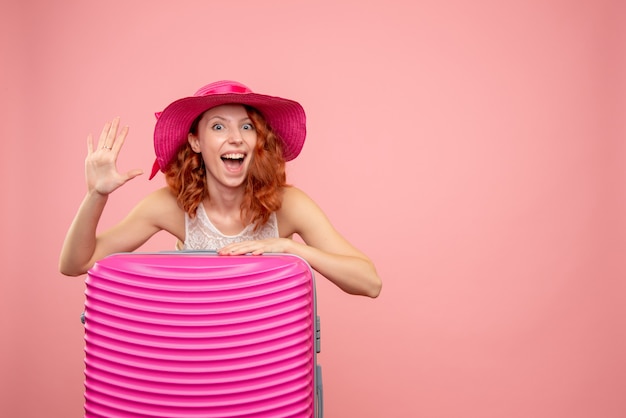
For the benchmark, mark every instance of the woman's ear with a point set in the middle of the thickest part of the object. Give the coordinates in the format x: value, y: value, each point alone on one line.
x: 194, y: 142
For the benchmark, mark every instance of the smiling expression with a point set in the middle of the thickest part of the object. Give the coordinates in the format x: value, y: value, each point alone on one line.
x: 226, y: 138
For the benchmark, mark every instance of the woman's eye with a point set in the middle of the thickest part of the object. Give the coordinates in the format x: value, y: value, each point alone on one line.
x: 217, y: 127
x: 248, y: 127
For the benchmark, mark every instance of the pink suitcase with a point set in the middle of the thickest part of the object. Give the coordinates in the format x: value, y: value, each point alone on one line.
x: 196, y: 335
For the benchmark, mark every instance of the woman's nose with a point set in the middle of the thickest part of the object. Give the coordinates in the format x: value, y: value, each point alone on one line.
x: 236, y: 138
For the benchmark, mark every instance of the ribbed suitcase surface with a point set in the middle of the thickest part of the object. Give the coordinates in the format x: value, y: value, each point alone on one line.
x: 196, y: 335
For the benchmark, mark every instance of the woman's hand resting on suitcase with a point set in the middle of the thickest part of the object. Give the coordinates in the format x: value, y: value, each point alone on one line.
x: 271, y: 245
x: 101, y: 171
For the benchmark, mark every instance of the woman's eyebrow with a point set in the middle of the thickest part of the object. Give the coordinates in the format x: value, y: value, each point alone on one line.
x: 244, y: 119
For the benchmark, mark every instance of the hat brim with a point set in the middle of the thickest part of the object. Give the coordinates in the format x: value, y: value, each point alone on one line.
x: 286, y: 118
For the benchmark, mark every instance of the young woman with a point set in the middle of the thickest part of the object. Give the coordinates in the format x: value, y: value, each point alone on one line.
x: 223, y: 152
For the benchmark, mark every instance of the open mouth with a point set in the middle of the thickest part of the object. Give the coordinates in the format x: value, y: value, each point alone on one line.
x: 233, y: 161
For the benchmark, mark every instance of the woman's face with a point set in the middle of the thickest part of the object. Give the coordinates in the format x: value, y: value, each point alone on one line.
x: 226, y: 138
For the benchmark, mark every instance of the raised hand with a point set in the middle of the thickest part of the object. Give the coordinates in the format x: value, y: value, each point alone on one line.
x: 101, y: 171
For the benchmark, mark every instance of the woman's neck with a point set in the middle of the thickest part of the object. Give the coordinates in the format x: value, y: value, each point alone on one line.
x: 224, y: 202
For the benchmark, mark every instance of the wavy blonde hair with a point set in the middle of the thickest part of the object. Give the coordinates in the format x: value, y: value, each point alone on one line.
x: 186, y: 175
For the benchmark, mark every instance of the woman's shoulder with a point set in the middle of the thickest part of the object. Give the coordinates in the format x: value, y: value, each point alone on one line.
x: 162, y: 196
x: 159, y: 204
x: 297, y: 211
x: 294, y: 200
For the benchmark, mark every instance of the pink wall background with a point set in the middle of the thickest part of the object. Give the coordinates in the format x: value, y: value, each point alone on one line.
x: 475, y: 150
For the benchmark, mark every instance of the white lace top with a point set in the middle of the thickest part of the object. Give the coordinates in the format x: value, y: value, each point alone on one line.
x: 201, y: 234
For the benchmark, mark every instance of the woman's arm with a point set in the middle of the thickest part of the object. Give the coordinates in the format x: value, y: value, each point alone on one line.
x: 325, y: 250
x: 81, y: 247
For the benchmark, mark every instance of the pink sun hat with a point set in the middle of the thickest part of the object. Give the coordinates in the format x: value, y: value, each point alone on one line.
x: 286, y: 118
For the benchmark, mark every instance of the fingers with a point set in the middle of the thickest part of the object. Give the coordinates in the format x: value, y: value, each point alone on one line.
x: 103, y: 135
x: 119, y: 140
x: 101, y: 161
x: 109, y: 137
x: 237, y: 249
x: 253, y: 247
x: 133, y: 173
x: 89, y: 144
